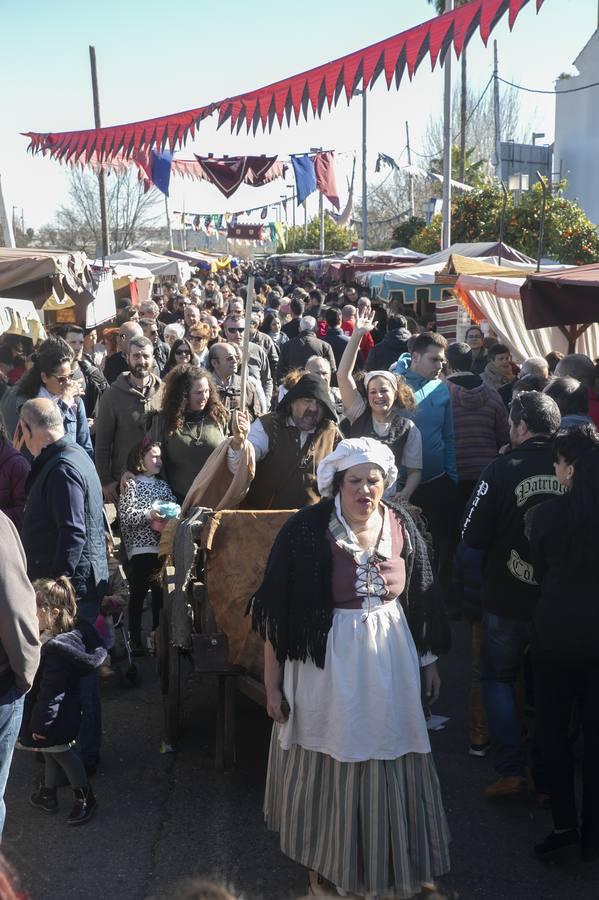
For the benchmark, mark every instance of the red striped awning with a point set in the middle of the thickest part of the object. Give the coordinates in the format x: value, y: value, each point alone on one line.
x: 295, y: 96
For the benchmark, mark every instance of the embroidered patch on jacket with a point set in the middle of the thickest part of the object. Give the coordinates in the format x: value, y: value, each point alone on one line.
x: 521, y: 569
x: 537, y: 484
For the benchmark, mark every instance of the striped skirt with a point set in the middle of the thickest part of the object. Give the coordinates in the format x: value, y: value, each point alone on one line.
x: 374, y: 827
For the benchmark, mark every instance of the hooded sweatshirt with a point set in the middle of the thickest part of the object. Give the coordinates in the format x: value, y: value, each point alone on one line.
x: 121, y: 423
x: 480, y: 424
x: 434, y: 418
x: 387, y: 351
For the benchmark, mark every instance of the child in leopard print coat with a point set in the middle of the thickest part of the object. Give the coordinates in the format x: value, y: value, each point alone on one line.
x: 139, y: 537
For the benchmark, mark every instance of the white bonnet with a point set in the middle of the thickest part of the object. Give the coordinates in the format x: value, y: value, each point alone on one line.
x: 380, y: 373
x: 355, y: 452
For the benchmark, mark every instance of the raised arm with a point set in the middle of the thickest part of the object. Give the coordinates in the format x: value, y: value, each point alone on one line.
x: 345, y: 379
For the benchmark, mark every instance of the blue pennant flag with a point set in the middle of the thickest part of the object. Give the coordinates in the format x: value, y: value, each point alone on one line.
x: 305, y: 176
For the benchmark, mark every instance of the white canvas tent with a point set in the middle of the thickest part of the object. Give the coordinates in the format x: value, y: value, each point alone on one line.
x: 159, y: 266
x: 498, y: 302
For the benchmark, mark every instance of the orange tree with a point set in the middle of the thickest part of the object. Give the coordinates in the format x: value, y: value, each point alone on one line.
x: 570, y: 237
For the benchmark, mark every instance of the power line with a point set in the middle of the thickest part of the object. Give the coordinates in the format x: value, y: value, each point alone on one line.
x: 521, y: 87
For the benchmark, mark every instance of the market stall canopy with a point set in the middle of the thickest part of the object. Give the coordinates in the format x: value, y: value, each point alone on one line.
x: 207, y: 261
x: 466, y: 265
x: 57, y: 277
x: 498, y: 301
x: 478, y: 249
x: 405, y: 281
x: 569, y: 297
x: 159, y: 266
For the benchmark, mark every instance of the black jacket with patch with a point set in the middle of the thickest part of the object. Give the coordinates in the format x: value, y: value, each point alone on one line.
x: 494, y: 522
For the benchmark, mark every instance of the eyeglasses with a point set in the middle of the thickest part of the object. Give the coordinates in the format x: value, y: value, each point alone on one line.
x: 195, y: 338
x: 182, y: 353
x: 225, y: 359
x: 233, y: 330
x: 62, y: 379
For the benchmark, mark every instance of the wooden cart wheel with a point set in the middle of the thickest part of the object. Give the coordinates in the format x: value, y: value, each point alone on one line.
x: 173, y: 700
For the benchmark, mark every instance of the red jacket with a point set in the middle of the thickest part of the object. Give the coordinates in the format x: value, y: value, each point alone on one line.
x: 366, y: 344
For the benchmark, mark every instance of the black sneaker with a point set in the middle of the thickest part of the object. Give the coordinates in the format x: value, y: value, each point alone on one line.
x: 45, y: 799
x: 556, y: 844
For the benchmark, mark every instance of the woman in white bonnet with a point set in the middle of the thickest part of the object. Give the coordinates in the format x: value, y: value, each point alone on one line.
x: 378, y: 411
x: 350, y: 614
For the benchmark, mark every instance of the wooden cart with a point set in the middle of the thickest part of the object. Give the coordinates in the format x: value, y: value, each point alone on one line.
x: 217, y: 563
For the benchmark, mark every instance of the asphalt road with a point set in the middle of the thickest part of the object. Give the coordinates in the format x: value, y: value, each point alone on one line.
x: 164, y: 818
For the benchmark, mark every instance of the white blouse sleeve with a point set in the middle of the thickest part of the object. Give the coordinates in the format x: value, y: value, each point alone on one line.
x: 412, y: 454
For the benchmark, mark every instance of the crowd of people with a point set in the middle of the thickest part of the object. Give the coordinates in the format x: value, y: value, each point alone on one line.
x: 433, y: 482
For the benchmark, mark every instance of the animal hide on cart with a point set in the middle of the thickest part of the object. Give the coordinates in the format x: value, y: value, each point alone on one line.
x: 237, y: 544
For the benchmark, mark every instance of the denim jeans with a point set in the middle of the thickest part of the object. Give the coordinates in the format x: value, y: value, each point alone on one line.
x: 11, y: 713
x: 504, y: 642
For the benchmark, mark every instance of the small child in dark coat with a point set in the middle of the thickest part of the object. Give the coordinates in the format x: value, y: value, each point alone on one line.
x: 71, y: 648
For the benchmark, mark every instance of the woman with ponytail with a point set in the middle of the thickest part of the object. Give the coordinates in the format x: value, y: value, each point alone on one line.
x: 71, y: 648
x: 564, y: 537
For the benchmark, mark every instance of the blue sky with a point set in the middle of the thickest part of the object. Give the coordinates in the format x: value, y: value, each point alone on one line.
x: 156, y: 58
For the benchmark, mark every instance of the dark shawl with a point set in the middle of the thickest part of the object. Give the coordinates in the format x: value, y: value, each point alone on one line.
x: 293, y: 607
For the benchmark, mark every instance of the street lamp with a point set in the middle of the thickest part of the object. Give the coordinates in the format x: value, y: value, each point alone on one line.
x: 535, y: 135
x: 291, y: 187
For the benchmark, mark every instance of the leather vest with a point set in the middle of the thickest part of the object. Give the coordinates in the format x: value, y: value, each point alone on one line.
x: 395, y: 439
x: 286, y: 477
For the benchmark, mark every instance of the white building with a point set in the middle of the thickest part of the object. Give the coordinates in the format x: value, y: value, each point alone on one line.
x: 576, y: 148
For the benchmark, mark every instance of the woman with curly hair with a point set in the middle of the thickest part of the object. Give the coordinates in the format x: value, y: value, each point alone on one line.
x: 374, y: 409
x: 192, y: 422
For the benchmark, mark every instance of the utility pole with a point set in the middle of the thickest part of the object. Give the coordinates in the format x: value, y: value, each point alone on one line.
x: 496, y: 113
x: 306, y: 219
x: 463, y: 117
x: 101, y: 176
x: 446, y: 234
x: 364, y: 181
x: 168, y: 223
x: 410, y: 179
x: 6, y: 225
x: 321, y: 217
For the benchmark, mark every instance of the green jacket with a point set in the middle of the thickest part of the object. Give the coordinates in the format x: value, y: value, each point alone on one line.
x: 121, y: 423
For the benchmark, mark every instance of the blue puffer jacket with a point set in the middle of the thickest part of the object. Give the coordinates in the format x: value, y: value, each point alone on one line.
x: 434, y: 417
x: 52, y: 707
x: 466, y: 581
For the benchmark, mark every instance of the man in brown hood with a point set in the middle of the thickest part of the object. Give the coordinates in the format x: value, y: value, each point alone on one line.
x: 288, y: 446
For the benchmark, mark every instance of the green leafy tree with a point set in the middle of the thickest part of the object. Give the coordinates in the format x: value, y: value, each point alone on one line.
x: 570, y: 237
x: 404, y: 234
x: 428, y: 240
x: 335, y: 237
